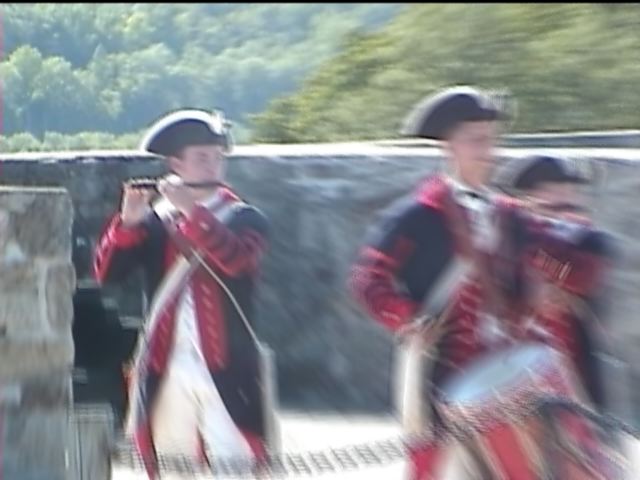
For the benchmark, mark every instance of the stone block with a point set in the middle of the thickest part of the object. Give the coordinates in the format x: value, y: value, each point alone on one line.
x: 95, y: 434
x: 59, y: 284
x: 37, y: 444
x: 35, y: 222
x: 36, y: 297
x: 22, y: 358
x: 50, y: 390
x: 36, y: 343
x: 21, y: 315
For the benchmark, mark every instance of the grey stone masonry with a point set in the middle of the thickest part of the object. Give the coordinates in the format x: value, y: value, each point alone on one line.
x: 37, y: 281
x: 319, y: 200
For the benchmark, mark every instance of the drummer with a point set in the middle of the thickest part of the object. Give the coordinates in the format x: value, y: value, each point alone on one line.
x: 449, y: 253
x: 419, y: 253
x: 565, y: 314
x: 431, y: 253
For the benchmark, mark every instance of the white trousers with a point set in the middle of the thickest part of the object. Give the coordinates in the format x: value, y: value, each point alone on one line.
x: 189, y: 408
x: 458, y: 465
x: 414, y: 363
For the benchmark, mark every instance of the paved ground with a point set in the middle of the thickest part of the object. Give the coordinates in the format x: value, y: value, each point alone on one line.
x: 302, y: 432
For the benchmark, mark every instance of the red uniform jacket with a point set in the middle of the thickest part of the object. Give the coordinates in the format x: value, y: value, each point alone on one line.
x: 407, y: 256
x: 408, y: 252
x: 233, y: 249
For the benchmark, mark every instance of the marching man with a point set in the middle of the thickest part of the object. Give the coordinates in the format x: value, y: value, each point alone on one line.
x: 565, y: 314
x: 449, y: 253
x: 196, y: 383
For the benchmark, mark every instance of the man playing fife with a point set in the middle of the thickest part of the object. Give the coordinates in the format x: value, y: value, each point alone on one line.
x: 195, y: 384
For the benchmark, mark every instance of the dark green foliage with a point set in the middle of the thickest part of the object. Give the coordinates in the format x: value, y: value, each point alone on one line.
x: 570, y: 67
x: 114, y: 68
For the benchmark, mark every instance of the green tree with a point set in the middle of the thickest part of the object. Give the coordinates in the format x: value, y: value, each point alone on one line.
x: 116, y: 67
x: 570, y: 67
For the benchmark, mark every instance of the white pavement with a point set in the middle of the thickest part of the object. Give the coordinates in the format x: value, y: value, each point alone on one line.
x: 304, y: 432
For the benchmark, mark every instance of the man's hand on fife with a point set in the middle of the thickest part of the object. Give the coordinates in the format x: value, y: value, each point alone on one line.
x: 135, y: 205
x: 179, y: 195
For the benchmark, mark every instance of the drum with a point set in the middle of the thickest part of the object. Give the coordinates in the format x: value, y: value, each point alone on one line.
x: 492, y: 406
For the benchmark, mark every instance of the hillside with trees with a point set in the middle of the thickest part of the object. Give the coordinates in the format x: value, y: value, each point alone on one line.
x: 77, y: 76
x: 93, y: 76
x: 570, y: 67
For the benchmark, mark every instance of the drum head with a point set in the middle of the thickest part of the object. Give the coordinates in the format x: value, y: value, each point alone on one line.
x: 494, y: 372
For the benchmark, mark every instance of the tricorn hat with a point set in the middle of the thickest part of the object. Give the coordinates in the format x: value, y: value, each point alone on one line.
x: 523, y: 174
x: 436, y: 115
x: 182, y: 128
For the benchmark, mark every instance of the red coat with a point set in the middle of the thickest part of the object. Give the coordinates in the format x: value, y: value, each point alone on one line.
x: 576, y: 265
x: 233, y: 248
x: 407, y: 255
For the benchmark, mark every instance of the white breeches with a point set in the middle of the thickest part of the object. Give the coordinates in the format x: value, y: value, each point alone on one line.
x: 189, y: 407
x: 458, y: 464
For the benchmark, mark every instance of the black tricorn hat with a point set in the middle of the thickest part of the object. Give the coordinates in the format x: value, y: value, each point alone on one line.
x: 435, y: 115
x: 523, y: 174
x: 182, y: 128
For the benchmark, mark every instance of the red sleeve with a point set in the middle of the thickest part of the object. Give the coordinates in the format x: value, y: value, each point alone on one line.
x: 115, y: 241
x: 372, y: 283
x: 376, y: 281
x: 234, y: 252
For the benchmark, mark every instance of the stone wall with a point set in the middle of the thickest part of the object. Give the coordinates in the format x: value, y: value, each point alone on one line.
x: 37, y: 280
x: 320, y: 199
